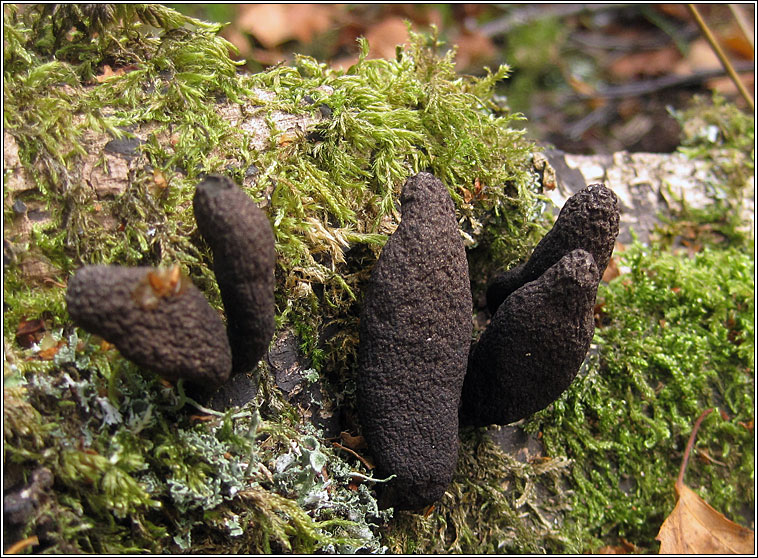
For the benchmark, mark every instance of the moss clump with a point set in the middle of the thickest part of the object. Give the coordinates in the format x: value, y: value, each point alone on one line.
x: 495, y: 504
x: 330, y: 187
x: 676, y: 337
x: 135, y: 467
x: 136, y: 470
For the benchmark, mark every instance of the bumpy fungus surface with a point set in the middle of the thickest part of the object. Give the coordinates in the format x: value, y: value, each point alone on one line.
x: 155, y: 318
x: 588, y: 220
x: 415, y: 333
x: 534, y: 345
x: 240, y: 236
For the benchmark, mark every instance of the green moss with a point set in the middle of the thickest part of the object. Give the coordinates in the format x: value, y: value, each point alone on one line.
x: 677, y: 338
x: 135, y: 469
x: 495, y: 504
x: 332, y: 188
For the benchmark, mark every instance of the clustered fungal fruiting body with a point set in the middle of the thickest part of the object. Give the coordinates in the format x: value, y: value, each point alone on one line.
x: 155, y: 318
x: 415, y: 332
x: 588, y: 220
x: 534, y: 345
x: 240, y: 237
x: 543, y: 315
x: 415, y: 329
x: 158, y: 319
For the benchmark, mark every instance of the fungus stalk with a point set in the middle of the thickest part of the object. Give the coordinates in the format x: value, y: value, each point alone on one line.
x: 415, y: 331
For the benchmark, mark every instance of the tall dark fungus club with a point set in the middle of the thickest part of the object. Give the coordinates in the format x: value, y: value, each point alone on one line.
x: 588, y: 220
x: 534, y: 345
x: 155, y: 317
x: 158, y: 319
x: 543, y: 319
x: 242, y: 241
x: 415, y: 332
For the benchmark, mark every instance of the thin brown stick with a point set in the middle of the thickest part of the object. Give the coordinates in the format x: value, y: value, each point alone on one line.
x: 22, y: 544
x: 362, y: 459
x: 529, y: 14
x: 721, y: 56
x: 646, y: 87
x: 690, y: 443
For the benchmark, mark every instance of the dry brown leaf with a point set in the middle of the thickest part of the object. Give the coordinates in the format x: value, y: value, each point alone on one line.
x: 699, y: 59
x: 612, y: 271
x: 308, y: 20
x: 385, y: 36
x: 266, y: 22
x: 108, y: 73
x: 353, y: 442
x: 474, y: 49
x: 694, y: 527
x: 274, y: 24
x: 738, y: 44
x: 29, y: 332
x: 650, y: 63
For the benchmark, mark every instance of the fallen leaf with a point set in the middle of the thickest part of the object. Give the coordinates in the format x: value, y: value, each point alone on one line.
x: 624, y: 548
x: 385, y: 36
x: 29, y: 332
x: 266, y: 22
x: 474, y: 49
x: 274, y: 24
x: 159, y: 180
x: 694, y: 527
x: 699, y: 58
x: 737, y: 43
x: 353, y: 442
x: 108, y: 73
x: 611, y: 271
x: 649, y: 63
x: 49, y: 347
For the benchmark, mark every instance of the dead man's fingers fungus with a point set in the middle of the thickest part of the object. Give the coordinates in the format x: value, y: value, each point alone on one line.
x: 534, y: 345
x: 240, y: 237
x: 155, y: 317
x: 588, y: 220
x: 415, y: 332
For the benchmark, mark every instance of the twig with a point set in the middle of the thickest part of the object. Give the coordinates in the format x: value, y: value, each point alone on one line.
x: 22, y: 544
x: 621, y: 44
x: 646, y: 87
x: 522, y: 16
x: 370, y: 479
x: 598, y: 116
x: 690, y: 443
x: 721, y: 56
x: 183, y: 398
x: 363, y: 460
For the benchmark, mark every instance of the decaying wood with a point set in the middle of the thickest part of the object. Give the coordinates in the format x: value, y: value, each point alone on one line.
x: 648, y: 185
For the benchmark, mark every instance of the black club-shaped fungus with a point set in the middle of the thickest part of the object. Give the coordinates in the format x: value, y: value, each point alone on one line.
x: 155, y: 317
x: 588, y: 220
x: 534, y: 345
x: 240, y: 237
x: 415, y: 332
